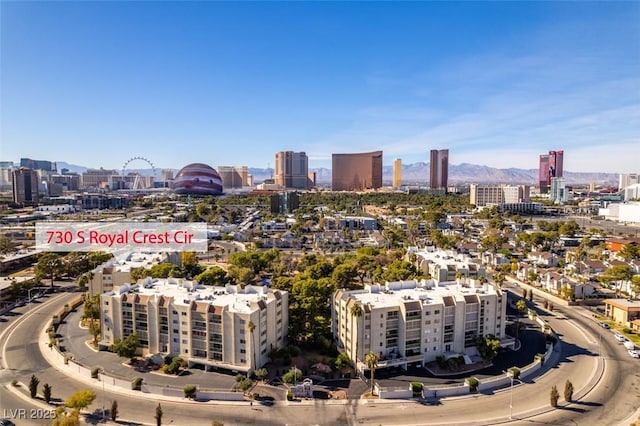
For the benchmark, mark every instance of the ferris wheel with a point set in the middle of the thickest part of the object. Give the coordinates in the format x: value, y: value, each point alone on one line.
x: 138, y: 182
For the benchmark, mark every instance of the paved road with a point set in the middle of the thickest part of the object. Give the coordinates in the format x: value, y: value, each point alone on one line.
x: 609, y: 404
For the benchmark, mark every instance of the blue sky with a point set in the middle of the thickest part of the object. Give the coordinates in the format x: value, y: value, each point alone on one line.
x: 497, y: 83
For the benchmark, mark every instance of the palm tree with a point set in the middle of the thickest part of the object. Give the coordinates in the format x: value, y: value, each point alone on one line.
x: 251, y: 326
x: 356, y: 311
x: 372, y: 362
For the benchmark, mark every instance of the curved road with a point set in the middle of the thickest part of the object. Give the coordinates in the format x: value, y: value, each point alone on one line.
x: 612, y: 401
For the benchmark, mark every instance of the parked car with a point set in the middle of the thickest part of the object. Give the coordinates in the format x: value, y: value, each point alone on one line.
x: 629, y: 345
x: 620, y: 338
x: 604, y: 325
x: 634, y: 353
x: 6, y: 422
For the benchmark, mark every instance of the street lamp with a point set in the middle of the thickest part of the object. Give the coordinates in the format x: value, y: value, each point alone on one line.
x: 102, y: 373
x: 510, y: 375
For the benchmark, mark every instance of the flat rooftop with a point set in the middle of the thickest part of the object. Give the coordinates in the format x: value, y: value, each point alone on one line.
x: 426, y: 291
x: 185, y: 292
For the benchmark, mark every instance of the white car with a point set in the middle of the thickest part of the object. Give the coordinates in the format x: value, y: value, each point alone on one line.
x: 629, y: 345
x: 620, y: 338
x: 634, y: 353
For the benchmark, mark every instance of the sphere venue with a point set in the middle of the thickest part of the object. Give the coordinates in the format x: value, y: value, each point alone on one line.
x: 197, y: 179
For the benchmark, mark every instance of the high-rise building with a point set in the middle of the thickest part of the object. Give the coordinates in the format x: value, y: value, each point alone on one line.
x: 439, y: 169
x: 397, y: 173
x: 284, y: 203
x: 550, y: 166
x: 410, y: 323
x: 47, y: 166
x: 97, y: 178
x: 356, y: 172
x: 223, y: 327
x: 558, y: 191
x: 25, y: 186
x: 483, y: 195
x: 234, y: 176
x: 292, y: 170
x: 628, y: 179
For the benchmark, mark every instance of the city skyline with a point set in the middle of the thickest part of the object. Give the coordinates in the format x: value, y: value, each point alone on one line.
x: 495, y: 83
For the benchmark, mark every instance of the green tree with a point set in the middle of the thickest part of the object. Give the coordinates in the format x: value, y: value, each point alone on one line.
x: 261, y: 373
x: 62, y: 418
x: 190, y: 265
x: 126, y: 347
x: 114, y: 410
x: 33, y: 386
x: 212, y: 276
x: 6, y: 245
x: 568, y: 391
x: 630, y: 251
x: 342, y: 361
x: 521, y: 306
x: 343, y: 275
x: 161, y: 270
x: 138, y: 274
x: 488, y: 347
x: 158, y: 415
x: 357, y: 312
x: 554, y: 395
x: 49, y: 266
x: 46, y: 392
x: 292, y: 375
x: 81, y: 399
x: 241, y: 275
x: 371, y: 360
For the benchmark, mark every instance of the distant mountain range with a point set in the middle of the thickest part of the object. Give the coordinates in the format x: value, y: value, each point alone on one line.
x: 418, y: 173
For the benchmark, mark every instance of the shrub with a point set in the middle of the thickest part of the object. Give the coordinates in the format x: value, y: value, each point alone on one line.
x: 540, y: 358
x: 514, y: 372
x: 568, y: 391
x: 551, y: 339
x: 289, y: 396
x: 292, y: 375
x: 14, y: 383
x: 473, y: 384
x: 190, y: 391
x: 416, y: 387
x: 94, y: 372
x: 136, y: 384
x: 33, y: 386
x: 554, y: 396
x: 46, y: 392
x: 239, y: 377
x: 245, y: 385
x: 627, y: 330
x: 441, y: 361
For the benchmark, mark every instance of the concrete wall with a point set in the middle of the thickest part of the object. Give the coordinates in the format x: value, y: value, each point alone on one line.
x: 220, y: 396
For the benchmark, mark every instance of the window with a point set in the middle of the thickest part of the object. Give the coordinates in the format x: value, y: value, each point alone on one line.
x: 106, y: 302
x: 243, y: 351
x: 242, y: 341
x: 184, y: 341
x: 184, y: 332
x: 436, y: 312
x: 184, y: 314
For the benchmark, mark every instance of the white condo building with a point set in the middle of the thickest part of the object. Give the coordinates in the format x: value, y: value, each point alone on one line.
x: 413, y: 322
x: 204, y: 325
x: 117, y: 271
